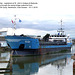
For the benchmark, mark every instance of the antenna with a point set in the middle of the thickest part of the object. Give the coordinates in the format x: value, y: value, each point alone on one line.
x: 61, y: 31
x: 61, y: 28
x: 61, y: 24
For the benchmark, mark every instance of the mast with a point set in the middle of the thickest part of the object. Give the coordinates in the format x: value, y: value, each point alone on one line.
x: 61, y: 31
x: 61, y: 24
x: 14, y: 24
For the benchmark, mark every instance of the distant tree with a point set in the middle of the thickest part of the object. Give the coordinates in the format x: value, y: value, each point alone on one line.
x: 46, y: 37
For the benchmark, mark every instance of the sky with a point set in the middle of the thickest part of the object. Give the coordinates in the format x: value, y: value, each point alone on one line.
x: 46, y: 17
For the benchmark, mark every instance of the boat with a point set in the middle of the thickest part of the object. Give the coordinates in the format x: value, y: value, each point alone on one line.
x: 56, y: 43
x: 28, y: 45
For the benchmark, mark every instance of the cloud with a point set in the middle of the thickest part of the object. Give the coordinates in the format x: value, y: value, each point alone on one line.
x: 46, y: 17
x: 26, y: 31
x: 47, y: 25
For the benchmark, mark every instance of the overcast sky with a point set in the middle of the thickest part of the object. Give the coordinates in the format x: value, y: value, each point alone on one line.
x: 46, y: 17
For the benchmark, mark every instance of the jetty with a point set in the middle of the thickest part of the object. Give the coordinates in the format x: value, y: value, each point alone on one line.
x: 5, y: 63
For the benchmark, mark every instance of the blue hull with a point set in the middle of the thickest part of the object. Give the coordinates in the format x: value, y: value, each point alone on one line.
x: 22, y: 42
x: 57, y: 46
x: 16, y: 42
x: 30, y: 46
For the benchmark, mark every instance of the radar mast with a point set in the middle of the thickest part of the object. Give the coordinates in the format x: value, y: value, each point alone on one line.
x: 61, y: 31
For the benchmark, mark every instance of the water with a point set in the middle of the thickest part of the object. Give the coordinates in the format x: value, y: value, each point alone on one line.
x: 52, y: 64
x: 43, y: 65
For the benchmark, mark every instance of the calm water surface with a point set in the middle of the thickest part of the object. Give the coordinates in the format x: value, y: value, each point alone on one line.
x: 43, y: 65
x: 53, y: 64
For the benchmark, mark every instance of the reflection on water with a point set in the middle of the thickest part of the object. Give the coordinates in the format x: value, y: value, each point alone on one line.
x: 43, y: 65
x: 51, y: 64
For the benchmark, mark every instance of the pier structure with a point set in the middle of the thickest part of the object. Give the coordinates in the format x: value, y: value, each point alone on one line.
x: 6, y: 63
